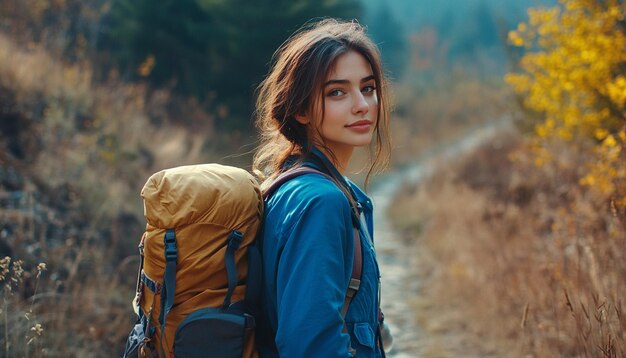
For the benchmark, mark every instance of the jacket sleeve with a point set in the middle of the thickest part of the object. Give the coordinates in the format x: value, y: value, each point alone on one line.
x: 313, y: 272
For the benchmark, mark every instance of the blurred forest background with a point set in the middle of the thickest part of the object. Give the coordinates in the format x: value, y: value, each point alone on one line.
x: 95, y: 95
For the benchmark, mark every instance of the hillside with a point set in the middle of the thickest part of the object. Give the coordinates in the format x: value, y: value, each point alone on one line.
x: 74, y: 155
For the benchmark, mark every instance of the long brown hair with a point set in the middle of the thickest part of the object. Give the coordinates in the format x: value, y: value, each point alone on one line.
x: 294, y: 84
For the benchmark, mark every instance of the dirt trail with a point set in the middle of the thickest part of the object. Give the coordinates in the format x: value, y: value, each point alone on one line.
x: 397, y: 257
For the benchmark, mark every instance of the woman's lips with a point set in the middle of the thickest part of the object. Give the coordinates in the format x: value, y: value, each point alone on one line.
x: 360, y: 126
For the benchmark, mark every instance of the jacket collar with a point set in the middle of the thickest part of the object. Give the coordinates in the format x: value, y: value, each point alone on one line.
x: 318, y: 160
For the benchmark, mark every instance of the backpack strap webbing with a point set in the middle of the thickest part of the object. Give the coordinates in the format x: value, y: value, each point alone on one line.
x: 139, y: 286
x: 357, y: 263
x: 169, y: 280
x: 234, y: 241
x: 288, y: 175
x: 355, y: 278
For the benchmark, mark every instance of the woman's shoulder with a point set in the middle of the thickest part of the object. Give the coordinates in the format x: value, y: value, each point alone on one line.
x: 310, y: 187
x: 311, y: 195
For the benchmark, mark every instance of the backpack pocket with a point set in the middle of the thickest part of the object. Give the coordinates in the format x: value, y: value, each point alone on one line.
x: 364, y: 334
x: 137, y: 345
x: 213, y: 332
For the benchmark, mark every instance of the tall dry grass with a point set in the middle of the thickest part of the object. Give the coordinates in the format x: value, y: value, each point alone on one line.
x: 74, y: 154
x: 430, y: 115
x: 516, y: 260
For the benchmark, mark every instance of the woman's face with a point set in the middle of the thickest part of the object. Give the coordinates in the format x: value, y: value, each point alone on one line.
x: 350, y: 106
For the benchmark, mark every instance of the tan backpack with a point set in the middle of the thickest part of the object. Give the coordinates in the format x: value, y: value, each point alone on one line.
x: 197, y: 216
x: 200, y: 274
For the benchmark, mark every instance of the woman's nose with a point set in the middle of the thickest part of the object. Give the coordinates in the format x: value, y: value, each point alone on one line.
x: 360, y: 104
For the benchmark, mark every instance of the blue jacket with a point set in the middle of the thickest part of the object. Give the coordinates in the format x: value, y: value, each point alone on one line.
x: 307, y: 249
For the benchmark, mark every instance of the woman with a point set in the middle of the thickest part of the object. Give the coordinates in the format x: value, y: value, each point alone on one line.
x: 324, y: 96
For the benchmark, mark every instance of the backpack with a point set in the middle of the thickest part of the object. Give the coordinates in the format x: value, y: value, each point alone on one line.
x: 199, y: 278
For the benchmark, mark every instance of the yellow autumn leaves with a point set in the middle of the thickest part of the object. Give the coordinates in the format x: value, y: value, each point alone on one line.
x: 574, y: 73
x: 617, y: 90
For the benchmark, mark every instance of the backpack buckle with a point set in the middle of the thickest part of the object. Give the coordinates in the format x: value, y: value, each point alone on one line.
x: 250, y: 321
x: 234, y: 239
x: 170, y: 245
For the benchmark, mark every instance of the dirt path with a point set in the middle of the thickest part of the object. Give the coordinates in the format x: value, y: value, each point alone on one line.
x: 397, y: 257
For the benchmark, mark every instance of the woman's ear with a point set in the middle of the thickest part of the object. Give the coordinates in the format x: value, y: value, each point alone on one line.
x: 303, y: 119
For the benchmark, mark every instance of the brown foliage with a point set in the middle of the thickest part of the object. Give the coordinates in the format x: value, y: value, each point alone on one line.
x: 429, y: 116
x: 74, y: 154
x: 520, y: 260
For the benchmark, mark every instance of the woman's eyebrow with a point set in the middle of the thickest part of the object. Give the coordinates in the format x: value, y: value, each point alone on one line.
x: 364, y: 79
x: 368, y: 78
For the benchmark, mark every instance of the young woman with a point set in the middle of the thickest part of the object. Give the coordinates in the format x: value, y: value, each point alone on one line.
x: 324, y: 96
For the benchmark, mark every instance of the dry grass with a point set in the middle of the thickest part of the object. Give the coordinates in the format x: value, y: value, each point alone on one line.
x: 75, y: 150
x: 78, y: 152
x: 517, y: 260
x: 110, y: 136
x: 429, y: 117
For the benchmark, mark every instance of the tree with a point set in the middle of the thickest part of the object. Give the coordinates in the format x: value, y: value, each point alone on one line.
x: 390, y: 36
x: 216, y: 51
x: 574, y: 74
x: 477, y: 33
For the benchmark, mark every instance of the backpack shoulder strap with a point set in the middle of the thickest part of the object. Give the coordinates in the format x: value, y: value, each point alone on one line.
x: 357, y: 263
x: 168, y: 288
x: 288, y: 175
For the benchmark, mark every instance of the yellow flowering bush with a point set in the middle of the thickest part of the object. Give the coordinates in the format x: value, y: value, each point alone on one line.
x: 574, y: 73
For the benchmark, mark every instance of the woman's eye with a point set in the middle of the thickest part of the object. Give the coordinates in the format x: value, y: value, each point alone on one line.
x: 335, y: 93
x: 368, y: 89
